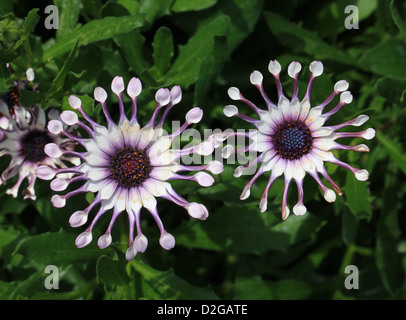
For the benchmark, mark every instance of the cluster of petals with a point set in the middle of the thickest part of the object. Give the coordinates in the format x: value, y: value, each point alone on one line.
x: 104, y: 171
x: 291, y: 138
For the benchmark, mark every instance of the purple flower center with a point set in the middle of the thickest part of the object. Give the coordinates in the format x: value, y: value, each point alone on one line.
x: 33, y: 144
x: 292, y: 140
x: 130, y: 167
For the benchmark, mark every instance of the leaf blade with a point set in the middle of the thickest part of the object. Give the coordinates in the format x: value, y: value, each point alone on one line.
x: 163, y: 50
x: 93, y: 31
x: 395, y: 151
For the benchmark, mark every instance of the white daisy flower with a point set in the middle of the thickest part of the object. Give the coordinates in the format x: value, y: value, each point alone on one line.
x: 127, y: 166
x: 291, y: 137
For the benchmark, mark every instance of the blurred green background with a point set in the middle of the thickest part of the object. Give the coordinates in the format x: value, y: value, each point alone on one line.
x: 207, y: 46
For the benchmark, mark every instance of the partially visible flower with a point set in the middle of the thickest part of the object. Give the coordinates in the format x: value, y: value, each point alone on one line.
x: 10, y: 99
x: 127, y: 166
x: 291, y: 137
x: 23, y: 135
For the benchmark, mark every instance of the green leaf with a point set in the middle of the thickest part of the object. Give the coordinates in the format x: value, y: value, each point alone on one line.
x: 163, y: 49
x: 112, y: 272
x: 187, y: 5
x: 29, y: 97
x: 7, y: 236
x: 248, y: 232
x: 4, y: 73
x: 388, y: 58
x: 6, y: 7
x: 397, y: 18
x: 210, y: 69
x: 59, y: 80
x: 131, y: 6
x: 357, y: 197
x: 185, y: 69
x: 6, y: 289
x: 11, y: 53
x: 302, y: 40
x: 68, y: 16
x: 9, y: 30
x: 388, y: 259
x: 366, y: 8
x: 31, y: 21
x: 29, y: 25
x: 11, y: 39
x: 255, y: 288
x: 56, y: 249
x: 155, y: 9
x: 299, y: 228
x: 12, y: 205
x: 29, y: 286
x: 391, y: 89
x: 47, y: 211
x: 93, y: 31
x: 349, y: 226
x: 244, y: 15
x: 165, y: 285
x: 394, y: 149
x: 131, y: 46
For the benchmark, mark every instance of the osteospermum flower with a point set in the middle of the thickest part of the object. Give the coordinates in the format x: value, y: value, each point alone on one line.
x: 291, y: 136
x: 23, y: 136
x: 10, y: 99
x: 127, y: 165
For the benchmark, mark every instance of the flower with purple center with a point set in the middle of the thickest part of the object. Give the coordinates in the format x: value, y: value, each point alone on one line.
x: 23, y: 136
x: 127, y: 166
x: 291, y: 137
